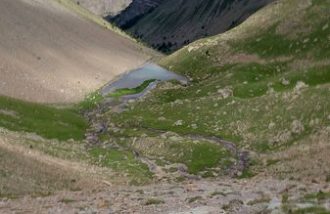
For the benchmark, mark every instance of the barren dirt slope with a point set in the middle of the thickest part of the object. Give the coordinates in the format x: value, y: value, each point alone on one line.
x: 104, y: 7
x: 48, y: 54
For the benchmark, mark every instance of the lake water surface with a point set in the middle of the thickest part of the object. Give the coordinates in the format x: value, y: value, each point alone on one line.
x: 136, y: 77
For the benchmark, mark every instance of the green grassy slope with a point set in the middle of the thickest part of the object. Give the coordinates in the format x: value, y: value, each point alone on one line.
x: 46, y: 121
x: 263, y: 85
x: 62, y: 134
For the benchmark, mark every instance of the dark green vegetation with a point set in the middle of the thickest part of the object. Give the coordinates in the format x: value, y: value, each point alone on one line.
x: 46, y: 121
x: 128, y: 91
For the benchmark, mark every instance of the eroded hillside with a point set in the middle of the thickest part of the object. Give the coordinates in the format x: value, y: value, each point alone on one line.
x: 50, y: 54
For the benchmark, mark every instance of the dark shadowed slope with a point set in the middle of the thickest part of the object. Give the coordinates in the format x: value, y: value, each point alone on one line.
x: 134, y: 12
x: 49, y: 54
x: 175, y: 23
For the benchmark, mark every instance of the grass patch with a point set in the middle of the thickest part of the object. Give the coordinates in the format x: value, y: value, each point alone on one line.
x: 122, y: 161
x: 247, y: 173
x: 319, y: 196
x: 314, y: 210
x: 46, y: 121
x: 203, y: 156
x: 127, y: 91
x: 199, y: 157
x: 154, y: 201
x: 270, y: 43
x: 265, y: 118
x: 90, y: 101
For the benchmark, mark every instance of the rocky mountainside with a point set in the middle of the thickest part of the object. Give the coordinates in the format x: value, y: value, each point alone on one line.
x: 134, y: 12
x: 169, y: 25
x: 104, y: 7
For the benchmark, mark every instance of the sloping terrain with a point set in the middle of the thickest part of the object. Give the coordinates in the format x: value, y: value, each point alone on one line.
x: 248, y: 134
x: 25, y: 171
x: 104, y: 7
x: 134, y: 12
x: 262, y: 88
x: 203, y: 196
x: 49, y: 54
x: 173, y: 24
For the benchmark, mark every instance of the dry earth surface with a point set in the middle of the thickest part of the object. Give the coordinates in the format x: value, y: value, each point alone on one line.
x: 48, y: 54
x: 82, y: 189
x: 104, y: 7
